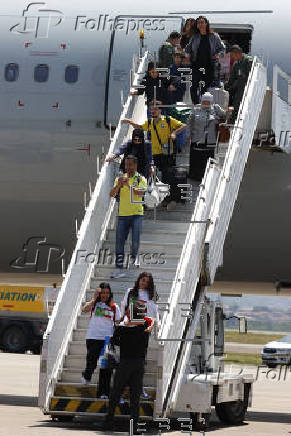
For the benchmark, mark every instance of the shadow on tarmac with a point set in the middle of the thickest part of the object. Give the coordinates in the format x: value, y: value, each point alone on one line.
x: 15, y: 400
x: 151, y: 430
x: 279, y: 417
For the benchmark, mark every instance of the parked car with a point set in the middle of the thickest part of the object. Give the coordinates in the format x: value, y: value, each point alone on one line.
x: 277, y: 352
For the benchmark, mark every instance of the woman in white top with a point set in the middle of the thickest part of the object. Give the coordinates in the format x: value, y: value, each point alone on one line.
x: 144, y: 292
x: 104, y: 314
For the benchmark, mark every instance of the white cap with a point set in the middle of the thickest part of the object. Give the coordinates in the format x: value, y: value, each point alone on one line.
x: 207, y: 97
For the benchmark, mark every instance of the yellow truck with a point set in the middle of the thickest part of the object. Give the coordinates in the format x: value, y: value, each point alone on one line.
x: 24, y: 313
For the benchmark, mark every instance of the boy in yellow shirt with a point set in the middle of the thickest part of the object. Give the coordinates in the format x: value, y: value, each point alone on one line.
x: 131, y: 187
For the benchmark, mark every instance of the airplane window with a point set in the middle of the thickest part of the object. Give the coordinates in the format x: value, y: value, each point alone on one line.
x: 41, y: 73
x: 72, y: 74
x: 11, y: 72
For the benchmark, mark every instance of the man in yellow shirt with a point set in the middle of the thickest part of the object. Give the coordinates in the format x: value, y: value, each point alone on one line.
x: 131, y: 187
x: 163, y: 131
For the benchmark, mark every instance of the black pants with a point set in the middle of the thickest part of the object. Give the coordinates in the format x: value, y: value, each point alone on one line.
x: 94, y: 348
x: 197, y: 77
x: 129, y: 373
x: 199, y: 155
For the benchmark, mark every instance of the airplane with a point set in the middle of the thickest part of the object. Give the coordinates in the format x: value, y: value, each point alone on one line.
x: 65, y: 74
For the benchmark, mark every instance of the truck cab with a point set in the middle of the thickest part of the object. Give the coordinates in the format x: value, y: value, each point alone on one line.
x: 24, y: 314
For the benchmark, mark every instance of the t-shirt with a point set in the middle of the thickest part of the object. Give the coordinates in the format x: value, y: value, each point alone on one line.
x: 163, y: 131
x: 127, y: 207
x: 102, y: 321
x: 143, y: 297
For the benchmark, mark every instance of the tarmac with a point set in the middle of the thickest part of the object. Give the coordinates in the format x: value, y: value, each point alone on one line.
x: 270, y: 414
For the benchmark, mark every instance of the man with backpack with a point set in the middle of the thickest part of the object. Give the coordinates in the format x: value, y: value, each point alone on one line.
x: 163, y: 131
x: 130, y: 189
x: 140, y: 148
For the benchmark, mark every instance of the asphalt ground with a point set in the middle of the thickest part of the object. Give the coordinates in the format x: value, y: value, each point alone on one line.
x: 270, y: 414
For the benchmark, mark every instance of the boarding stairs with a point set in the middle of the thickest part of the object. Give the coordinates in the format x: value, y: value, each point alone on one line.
x: 189, y: 238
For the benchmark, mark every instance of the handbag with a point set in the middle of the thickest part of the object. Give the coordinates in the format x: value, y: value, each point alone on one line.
x: 155, y: 193
x: 151, y: 197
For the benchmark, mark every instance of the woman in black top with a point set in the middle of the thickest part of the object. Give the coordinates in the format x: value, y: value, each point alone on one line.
x: 203, y: 50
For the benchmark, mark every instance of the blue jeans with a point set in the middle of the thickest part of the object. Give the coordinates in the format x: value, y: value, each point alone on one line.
x: 124, y: 224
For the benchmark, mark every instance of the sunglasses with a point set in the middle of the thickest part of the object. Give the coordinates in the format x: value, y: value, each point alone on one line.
x: 137, y: 139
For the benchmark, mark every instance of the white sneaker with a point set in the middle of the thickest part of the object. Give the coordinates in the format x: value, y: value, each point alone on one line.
x: 118, y: 273
x: 122, y: 400
x: 104, y: 397
x: 84, y: 381
x: 171, y: 205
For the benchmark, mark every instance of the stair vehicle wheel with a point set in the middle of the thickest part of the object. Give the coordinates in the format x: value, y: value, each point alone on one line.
x: 232, y: 412
x: 14, y: 339
x: 201, y: 422
x: 36, y: 349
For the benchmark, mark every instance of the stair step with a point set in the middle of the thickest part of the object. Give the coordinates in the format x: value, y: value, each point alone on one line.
x: 159, y: 272
x: 74, y: 376
x: 79, y: 348
x: 79, y: 361
x: 154, y: 259
x: 96, y: 407
x: 148, y: 247
x: 163, y: 294
x: 122, y: 284
x: 175, y: 215
x: 164, y: 226
x: 72, y: 390
x: 154, y: 236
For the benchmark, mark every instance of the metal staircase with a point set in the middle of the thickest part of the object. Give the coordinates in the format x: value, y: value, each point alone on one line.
x: 190, y: 240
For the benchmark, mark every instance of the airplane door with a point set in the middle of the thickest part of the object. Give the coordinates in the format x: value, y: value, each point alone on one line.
x: 124, y: 45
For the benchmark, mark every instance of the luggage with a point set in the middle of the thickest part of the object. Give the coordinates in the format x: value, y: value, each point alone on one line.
x: 179, y: 113
x: 198, y: 160
x: 176, y: 176
x: 224, y: 132
x: 220, y: 96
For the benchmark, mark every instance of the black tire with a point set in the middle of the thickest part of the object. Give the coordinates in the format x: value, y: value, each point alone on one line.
x: 232, y: 412
x: 14, y: 339
x: 36, y: 349
x: 202, y: 425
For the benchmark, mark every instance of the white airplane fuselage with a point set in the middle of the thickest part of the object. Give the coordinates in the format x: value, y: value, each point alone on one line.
x: 52, y: 131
